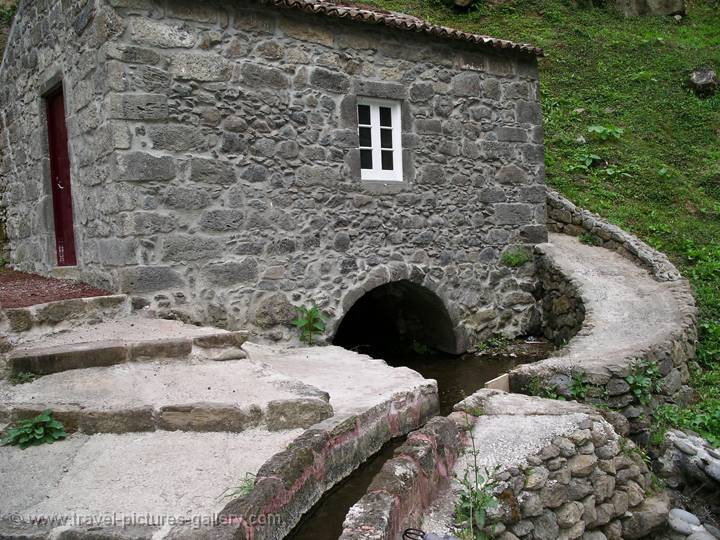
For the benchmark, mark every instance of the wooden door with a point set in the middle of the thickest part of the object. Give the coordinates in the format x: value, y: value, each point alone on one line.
x: 60, y: 178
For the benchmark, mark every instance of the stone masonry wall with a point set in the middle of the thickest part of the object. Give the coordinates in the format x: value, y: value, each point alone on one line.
x: 231, y: 187
x: 572, y: 477
x: 563, y: 311
x: 52, y: 41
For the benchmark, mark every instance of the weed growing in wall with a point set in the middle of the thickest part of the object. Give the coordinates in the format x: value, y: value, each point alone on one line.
x: 241, y: 490
x: 515, y: 258
x: 311, y: 322
x: 644, y: 380
x: 22, y: 378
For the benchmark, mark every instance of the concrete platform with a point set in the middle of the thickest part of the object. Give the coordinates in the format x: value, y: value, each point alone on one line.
x: 104, y: 485
x: 200, y: 396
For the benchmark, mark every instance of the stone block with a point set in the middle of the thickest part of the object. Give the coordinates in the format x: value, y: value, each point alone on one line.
x: 176, y: 138
x: 232, y: 273
x: 466, y: 84
x: 186, y: 198
x: 259, y: 76
x: 275, y: 310
x: 160, y: 348
x: 222, y: 220
x: 512, y: 213
x: 200, y: 67
x: 181, y: 248
x: 137, y: 106
x: 212, y: 171
x: 207, y: 417
x: 296, y: 413
x: 331, y: 81
x: 164, y: 36
x: 43, y: 361
x: 144, y: 279
x: 143, y: 167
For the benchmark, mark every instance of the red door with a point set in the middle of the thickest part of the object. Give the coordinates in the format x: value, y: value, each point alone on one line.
x: 60, y: 177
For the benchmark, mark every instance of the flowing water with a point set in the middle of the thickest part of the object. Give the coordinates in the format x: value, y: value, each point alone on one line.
x: 457, y: 378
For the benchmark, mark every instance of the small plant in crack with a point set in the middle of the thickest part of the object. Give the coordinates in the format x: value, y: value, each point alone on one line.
x: 515, y: 258
x: 311, y: 322
x: 243, y: 489
x: 43, y: 429
x: 22, y: 378
x: 476, y: 495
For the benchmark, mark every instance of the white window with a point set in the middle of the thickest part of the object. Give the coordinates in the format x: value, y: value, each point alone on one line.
x: 380, y: 140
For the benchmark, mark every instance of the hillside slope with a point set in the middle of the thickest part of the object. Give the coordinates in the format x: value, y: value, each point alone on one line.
x: 658, y: 175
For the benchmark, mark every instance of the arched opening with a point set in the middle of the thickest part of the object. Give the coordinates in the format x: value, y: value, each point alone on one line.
x: 397, y: 317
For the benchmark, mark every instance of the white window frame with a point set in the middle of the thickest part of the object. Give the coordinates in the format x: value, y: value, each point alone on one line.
x: 377, y: 173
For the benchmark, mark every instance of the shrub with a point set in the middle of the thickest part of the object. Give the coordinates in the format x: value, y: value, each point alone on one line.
x: 35, y: 431
x: 310, y: 321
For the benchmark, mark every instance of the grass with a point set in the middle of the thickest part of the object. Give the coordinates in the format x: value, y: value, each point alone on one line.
x: 625, y: 138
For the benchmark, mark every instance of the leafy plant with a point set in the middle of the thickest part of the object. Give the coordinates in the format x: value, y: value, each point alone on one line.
x: 515, y: 257
x: 538, y: 388
x: 584, y: 161
x: 578, y: 386
x: 606, y: 133
x: 476, y: 496
x: 590, y: 239
x: 644, y: 380
x: 310, y: 321
x: 22, y: 377
x: 241, y: 490
x: 35, y: 431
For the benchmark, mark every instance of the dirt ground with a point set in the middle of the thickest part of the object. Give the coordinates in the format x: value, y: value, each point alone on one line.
x: 18, y: 289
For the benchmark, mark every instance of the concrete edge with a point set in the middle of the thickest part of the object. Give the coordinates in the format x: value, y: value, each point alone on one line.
x: 52, y: 314
x: 672, y: 355
x: 43, y: 361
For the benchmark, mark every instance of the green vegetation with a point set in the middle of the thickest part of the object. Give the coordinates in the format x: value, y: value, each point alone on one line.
x: 660, y: 178
x: 493, y: 343
x: 590, y: 239
x: 515, y: 258
x: 243, y: 489
x: 538, y: 388
x: 476, y: 496
x: 310, y: 322
x: 22, y: 377
x: 644, y: 380
x: 35, y: 431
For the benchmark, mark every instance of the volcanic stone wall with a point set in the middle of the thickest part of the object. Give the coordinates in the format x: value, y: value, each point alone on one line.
x: 216, y: 166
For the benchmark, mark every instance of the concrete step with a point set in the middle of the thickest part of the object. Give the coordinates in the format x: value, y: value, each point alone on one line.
x: 42, y: 318
x: 196, y: 395
x: 130, y: 339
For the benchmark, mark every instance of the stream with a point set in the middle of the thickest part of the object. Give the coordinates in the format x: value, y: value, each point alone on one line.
x: 457, y: 378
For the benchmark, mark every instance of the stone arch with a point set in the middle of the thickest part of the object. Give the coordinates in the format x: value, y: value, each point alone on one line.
x: 406, y: 292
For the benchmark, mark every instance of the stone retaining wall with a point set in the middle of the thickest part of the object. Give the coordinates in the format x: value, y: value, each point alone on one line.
x: 406, y: 484
x: 564, y: 314
x: 563, y: 311
x: 587, y: 480
x: 565, y: 217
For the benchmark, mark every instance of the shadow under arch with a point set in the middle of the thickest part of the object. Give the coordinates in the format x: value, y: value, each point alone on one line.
x: 397, y: 315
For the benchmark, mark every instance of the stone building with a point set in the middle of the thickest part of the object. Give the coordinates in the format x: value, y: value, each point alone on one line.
x: 223, y: 161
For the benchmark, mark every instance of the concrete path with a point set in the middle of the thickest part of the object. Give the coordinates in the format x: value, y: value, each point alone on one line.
x: 173, y: 474
x: 626, y: 310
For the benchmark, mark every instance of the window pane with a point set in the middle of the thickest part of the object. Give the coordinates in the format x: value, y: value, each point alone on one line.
x: 365, y: 136
x: 385, y: 117
x: 387, y: 160
x: 366, y: 159
x: 385, y: 138
x: 364, y: 114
